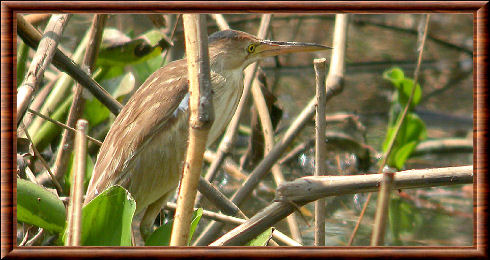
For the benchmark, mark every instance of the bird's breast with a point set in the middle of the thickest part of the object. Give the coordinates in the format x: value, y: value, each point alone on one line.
x: 227, y: 90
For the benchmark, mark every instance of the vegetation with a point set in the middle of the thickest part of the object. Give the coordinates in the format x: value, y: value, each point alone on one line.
x: 378, y: 80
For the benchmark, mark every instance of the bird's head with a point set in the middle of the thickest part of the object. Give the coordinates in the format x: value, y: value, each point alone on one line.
x: 231, y: 49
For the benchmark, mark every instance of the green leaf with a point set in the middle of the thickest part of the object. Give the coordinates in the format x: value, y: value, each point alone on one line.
x: 119, y: 50
x: 23, y: 51
x: 121, y: 86
x: 416, y: 129
x: 404, y: 218
x: 196, y: 217
x: 412, y: 132
x: 48, y: 131
x: 405, y: 90
x: 395, y: 75
x: 262, y: 239
x: 144, y: 69
x: 95, y: 112
x: 39, y: 207
x: 89, y: 167
x: 161, y: 236
x: 394, y: 216
x: 401, y: 155
x: 106, y: 220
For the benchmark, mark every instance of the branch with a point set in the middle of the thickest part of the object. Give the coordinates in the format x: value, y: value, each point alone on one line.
x: 74, y: 225
x: 42, y: 58
x: 200, y: 121
x: 320, y: 146
x: 308, y: 189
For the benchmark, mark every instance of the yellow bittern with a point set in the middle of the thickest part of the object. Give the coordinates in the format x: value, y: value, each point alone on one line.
x: 145, y: 147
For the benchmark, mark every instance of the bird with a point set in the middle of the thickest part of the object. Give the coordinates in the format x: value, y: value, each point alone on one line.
x: 145, y: 147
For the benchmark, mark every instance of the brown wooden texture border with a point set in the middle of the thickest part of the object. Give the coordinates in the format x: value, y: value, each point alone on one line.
x: 8, y: 130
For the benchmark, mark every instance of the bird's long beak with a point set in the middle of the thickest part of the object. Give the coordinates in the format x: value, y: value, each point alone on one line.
x: 272, y: 48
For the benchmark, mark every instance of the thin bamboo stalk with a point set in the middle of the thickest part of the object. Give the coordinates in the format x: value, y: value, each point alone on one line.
x: 74, y: 225
x: 200, y: 121
x: 320, y: 149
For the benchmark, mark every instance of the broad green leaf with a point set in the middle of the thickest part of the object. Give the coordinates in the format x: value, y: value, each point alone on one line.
x: 39, y: 207
x: 95, y: 112
x: 262, y: 239
x: 119, y: 50
x: 144, y: 69
x: 161, y: 236
x: 121, y: 86
x: 106, y: 220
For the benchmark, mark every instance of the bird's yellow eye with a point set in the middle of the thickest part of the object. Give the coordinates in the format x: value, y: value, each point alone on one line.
x: 251, y: 48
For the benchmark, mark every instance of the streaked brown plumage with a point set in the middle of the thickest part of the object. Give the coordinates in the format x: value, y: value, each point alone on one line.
x: 145, y: 146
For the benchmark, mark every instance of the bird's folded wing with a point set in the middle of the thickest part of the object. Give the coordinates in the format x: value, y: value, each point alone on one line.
x: 148, y: 110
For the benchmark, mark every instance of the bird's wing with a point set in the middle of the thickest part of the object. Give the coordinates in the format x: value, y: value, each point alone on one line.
x: 148, y: 109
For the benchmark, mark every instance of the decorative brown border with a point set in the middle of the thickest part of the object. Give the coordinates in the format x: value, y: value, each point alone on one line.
x: 8, y: 149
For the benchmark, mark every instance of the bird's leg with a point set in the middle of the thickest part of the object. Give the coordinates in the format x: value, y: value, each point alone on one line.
x: 151, y: 212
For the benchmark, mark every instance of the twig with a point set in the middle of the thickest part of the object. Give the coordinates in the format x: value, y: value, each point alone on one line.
x: 76, y: 109
x: 97, y: 142
x: 43, y: 162
x: 32, y: 37
x: 232, y: 169
x: 308, y: 189
x: 397, y: 126
x: 200, y: 120
x: 26, y: 236
x: 39, y: 99
x: 445, y: 145
x: 381, y: 217
x: 220, y: 21
x: 237, y: 221
x: 41, y: 60
x: 333, y: 138
x: 74, y: 225
x: 36, y: 18
x: 35, y: 237
x: 167, y: 51
x: 218, y: 198
x: 320, y: 149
